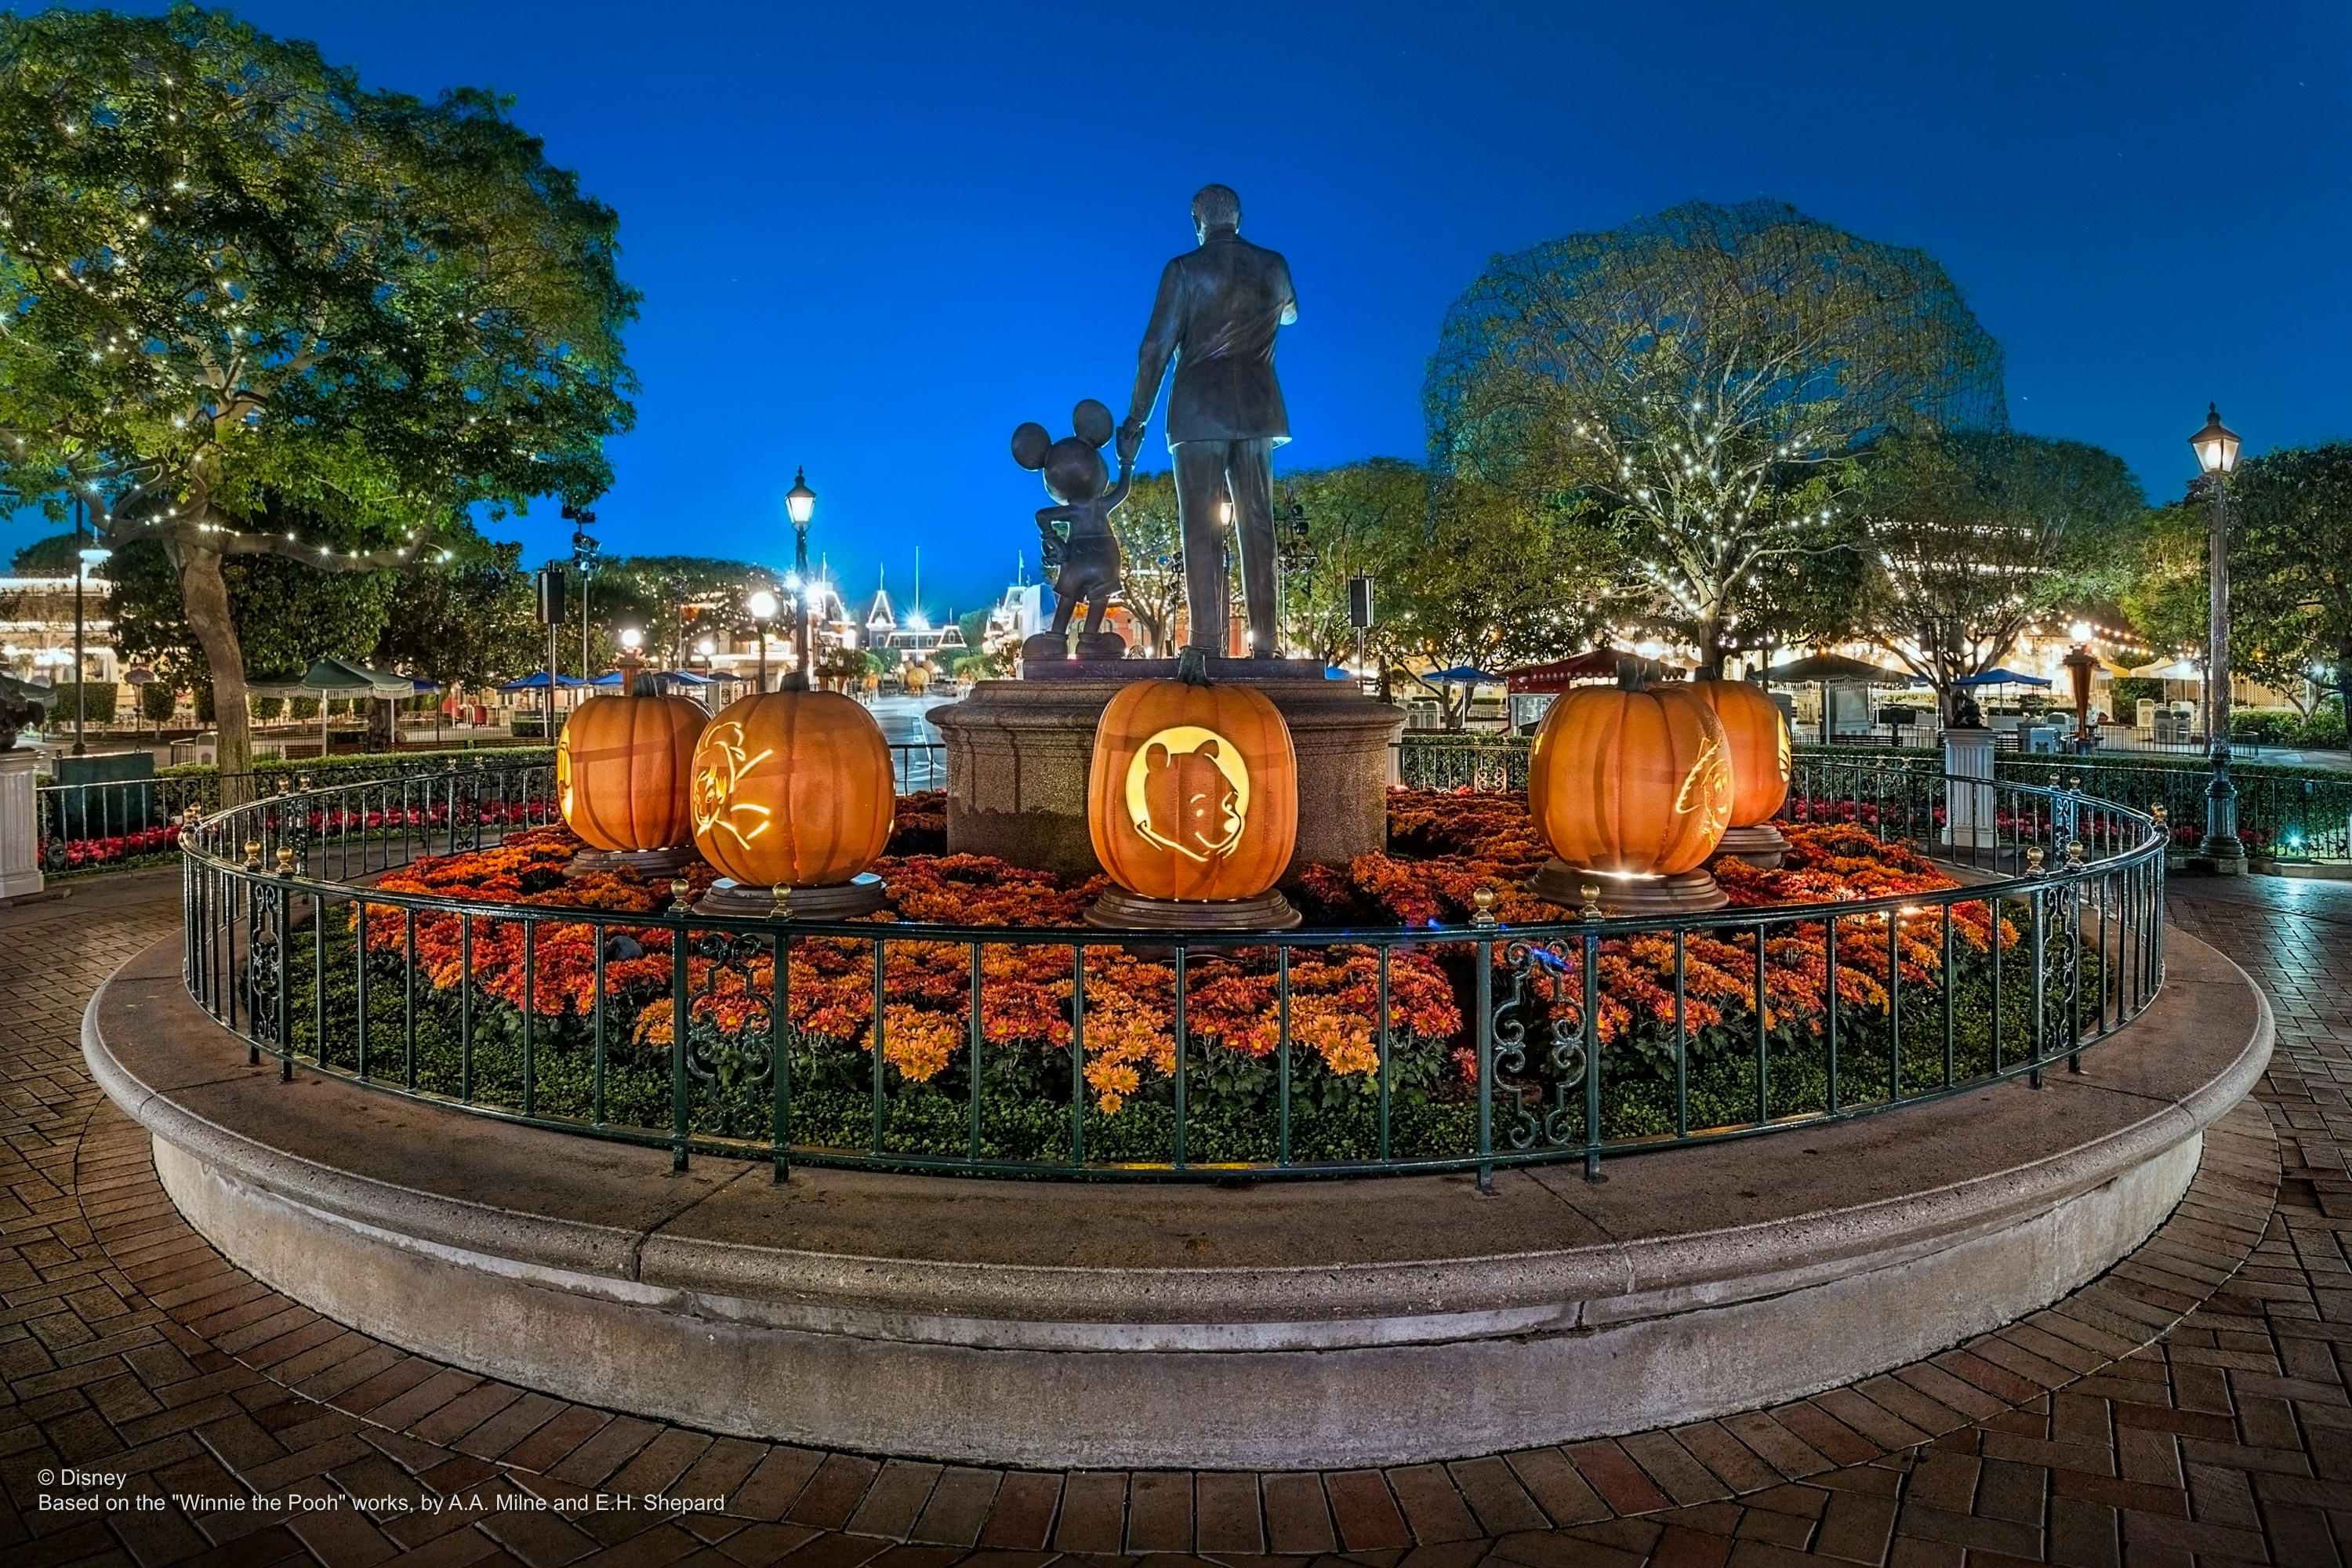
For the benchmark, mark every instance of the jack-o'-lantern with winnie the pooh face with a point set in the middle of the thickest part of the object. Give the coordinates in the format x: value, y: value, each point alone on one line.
x: 1193, y: 793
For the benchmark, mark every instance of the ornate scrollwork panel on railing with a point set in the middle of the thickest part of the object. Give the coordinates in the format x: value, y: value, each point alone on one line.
x: 727, y: 1037
x: 262, y: 954
x: 1538, y: 1105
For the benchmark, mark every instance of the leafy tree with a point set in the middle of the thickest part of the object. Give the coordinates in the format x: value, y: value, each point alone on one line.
x: 1484, y: 578
x: 2162, y: 592
x: 262, y: 313
x: 1709, y: 376
x: 1151, y: 552
x: 1973, y: 534
x: 673, y: 599
x: 475, y: 620
x: 1355, y: 517
x: 287, y: 615
x: 2291, y: 563
x: 54, y: 557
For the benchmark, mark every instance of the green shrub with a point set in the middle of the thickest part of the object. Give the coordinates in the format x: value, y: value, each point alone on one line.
x: 99, y: 695
x: 302, y: 707
x: 2267, y: 726
x: 158, y: 701
x: 265, y: 708
x: 2324, y: 731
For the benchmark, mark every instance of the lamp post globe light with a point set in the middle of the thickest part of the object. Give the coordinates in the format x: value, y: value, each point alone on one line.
x: 2216, y: 446
x: 762, y: 606
x: 799, y: 505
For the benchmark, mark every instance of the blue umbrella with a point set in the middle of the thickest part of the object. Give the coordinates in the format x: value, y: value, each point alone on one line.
x: 538, y: 682
x: 675, y: 677
x: 1997, y: 676
x: 1465, y: 672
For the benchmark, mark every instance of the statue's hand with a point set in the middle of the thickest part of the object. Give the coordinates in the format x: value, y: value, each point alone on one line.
x: 1131, y: 442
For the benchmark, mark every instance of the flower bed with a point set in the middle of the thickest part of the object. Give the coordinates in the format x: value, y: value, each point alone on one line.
x: 1445, y: 850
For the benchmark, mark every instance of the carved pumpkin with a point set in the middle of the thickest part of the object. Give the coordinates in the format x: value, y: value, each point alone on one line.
x: 1757, y: 737
x: 1193, y: 791
x: 1630, y: 783
x: 623, y: 766
x: 792, y: 788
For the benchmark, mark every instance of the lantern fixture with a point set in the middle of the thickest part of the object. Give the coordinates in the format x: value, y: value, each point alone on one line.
x: 2216, y: 445
x: 800, y: 501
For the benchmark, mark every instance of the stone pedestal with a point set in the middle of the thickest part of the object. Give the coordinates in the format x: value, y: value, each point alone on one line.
x: 1971, y: 812
x: 1018, y: 752
x: 1761, y: 846
x: 650, y: 864
x: 20, y: 825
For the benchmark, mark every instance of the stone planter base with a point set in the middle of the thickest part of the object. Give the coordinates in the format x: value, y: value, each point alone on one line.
x: 1277, y: 1325
x: 1019, y: 751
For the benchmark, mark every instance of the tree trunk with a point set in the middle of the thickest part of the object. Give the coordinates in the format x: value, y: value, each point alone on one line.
x: 383, y: 725
x: 204, y: 595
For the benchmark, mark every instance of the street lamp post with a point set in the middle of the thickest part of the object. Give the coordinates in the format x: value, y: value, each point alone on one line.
x: 762, y: 606
x: 800, y: 504
x: 2216, y: 446
x: 2081, y: 665
x: 585, y: 559
x: 81, y: 570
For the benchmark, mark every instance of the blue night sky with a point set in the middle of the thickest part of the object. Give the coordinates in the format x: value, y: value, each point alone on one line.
x: 873, y: 238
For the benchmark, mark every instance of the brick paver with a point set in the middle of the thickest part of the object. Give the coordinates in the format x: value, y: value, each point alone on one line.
x: 2188, y: 1407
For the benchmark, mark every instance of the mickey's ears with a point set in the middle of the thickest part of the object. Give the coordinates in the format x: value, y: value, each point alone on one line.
x: 1030, y: 445
x: 1091, y: 420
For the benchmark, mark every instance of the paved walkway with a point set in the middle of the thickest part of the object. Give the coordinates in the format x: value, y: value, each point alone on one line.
x: 2190, y: 1406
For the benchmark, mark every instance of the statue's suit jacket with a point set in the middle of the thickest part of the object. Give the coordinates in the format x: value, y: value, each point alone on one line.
x: 1216, y: 315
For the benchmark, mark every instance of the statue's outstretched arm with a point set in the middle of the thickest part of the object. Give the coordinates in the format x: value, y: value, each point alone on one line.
x: 1117, y: 492
x: 1158, y: 348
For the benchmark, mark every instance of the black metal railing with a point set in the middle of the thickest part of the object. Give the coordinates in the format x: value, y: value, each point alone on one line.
x: 120, y: 823
x: 1079, y: 1053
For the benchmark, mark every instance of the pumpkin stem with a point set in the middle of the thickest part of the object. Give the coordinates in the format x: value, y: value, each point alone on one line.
x: 1629, y: 674
x: 1192, y: 667
x: 793, y: 680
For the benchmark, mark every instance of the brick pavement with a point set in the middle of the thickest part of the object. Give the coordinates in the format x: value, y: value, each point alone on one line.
x: 2189, y: 1406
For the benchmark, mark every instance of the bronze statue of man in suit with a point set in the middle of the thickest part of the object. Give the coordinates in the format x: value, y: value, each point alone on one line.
x: 1216, y: 315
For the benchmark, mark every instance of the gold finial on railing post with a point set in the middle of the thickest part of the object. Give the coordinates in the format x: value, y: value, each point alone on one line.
x: 1592, y: 910
x: 780, y: 906
x: 1483, y: 898
x: 2156, y: 811
x: 2074, y: 854
x: 2034, y: 858
x: 285, y: 860
x: 252, y: 854
x: 679, y: 890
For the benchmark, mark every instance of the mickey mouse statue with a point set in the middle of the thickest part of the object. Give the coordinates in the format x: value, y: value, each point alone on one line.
x: 1086, y: 553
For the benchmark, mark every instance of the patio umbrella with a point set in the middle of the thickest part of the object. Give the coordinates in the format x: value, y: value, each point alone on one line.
x: 2174, y: 669
x: 1462, y: 672
x: 1999, y: 677
x: 1826, y: 667
x: 1821, y: 668
x: 538, y: 682
x: 669, y: 676
x: 336, y: 677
